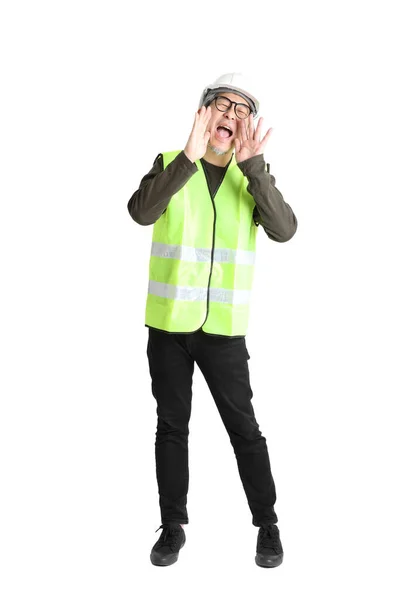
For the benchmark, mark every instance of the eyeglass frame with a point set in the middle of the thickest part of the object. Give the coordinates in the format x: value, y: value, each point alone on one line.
x: 230, y: 106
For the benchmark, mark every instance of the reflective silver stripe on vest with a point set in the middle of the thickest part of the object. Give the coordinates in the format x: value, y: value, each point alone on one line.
x: 179, y: 292
x: 191, y: 254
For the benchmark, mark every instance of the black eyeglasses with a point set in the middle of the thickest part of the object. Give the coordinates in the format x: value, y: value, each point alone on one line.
x: 242, y: 111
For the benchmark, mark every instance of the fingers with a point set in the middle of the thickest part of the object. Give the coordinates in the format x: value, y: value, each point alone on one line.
x: 202, y: 118
x: 251, y: 127
x: 258, y: 130
x: 243, y: 131
x: 257, y: 135
x: 196, y: 120
x: 204, y: 113
x: 237, y: 145
x: 206, y: 116
x: 266, y: 137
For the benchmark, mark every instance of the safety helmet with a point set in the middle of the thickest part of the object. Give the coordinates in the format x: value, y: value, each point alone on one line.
x: 237, y: 83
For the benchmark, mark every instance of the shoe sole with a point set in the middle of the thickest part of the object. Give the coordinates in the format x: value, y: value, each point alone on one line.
x: 170, y: 560
x: 268, y: 563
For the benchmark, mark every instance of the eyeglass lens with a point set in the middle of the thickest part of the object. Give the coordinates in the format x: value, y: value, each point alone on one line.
x: 223, y: 104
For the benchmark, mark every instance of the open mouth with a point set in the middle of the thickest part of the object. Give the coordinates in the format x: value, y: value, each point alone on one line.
x: 224, y: 132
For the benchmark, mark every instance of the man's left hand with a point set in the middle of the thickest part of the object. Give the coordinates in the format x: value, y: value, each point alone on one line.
x: 249, y: 142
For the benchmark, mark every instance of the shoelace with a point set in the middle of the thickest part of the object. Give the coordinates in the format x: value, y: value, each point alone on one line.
x: 169, y: 536
x: 269, y: 537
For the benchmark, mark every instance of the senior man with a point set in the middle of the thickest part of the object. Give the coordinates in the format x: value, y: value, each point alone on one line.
x: 206, y: 203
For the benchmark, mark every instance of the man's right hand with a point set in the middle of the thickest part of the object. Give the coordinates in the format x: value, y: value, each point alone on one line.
x: 196, y: 146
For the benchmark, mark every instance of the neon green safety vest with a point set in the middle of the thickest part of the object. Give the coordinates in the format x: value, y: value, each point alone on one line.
x: 202, y: 257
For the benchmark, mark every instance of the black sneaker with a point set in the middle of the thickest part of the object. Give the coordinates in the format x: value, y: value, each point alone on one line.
x: 269, y: 547
x: 166, y: 550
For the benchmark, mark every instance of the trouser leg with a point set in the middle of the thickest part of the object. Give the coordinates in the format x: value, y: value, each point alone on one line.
x: 171, y: 369
x: 224, y: 364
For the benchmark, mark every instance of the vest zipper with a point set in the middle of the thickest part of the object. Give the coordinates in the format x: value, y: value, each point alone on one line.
x: 214, y: 228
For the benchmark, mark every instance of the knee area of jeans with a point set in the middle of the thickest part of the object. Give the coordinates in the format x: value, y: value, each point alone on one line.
x: 249, y: 433
x: 172, y: 429
x: 247, y: 444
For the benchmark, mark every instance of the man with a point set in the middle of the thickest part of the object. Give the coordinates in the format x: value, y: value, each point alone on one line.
x: 206, y: 203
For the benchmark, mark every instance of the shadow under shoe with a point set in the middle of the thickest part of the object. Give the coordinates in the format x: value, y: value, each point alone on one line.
x: 165, y: 551
x: 269, y: 551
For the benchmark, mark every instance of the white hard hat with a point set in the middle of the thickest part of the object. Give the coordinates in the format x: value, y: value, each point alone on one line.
x: 235, y: 82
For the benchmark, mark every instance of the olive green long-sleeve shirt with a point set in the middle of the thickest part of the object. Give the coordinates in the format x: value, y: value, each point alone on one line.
x: 156, y: 189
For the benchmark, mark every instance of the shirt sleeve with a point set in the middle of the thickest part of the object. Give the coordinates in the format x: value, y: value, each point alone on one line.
x: 156, y: 189
x: 271, y: 211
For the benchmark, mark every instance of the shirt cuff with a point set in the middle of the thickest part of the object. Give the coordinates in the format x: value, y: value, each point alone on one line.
x: 183, y: 160
x: 252, y: 165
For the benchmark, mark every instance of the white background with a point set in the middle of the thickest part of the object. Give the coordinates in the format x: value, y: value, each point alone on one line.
x: 91, y: 93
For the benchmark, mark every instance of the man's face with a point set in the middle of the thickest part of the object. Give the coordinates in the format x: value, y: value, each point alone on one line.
x: 225, y: 126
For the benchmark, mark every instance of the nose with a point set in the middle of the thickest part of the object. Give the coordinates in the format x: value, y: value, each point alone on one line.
x: 230, y: 114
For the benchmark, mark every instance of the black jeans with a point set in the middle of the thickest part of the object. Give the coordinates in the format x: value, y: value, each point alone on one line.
x: 223, y: 362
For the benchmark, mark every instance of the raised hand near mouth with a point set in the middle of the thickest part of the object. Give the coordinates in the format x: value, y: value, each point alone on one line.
x: 248, y: 142
x: 196, y: 145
